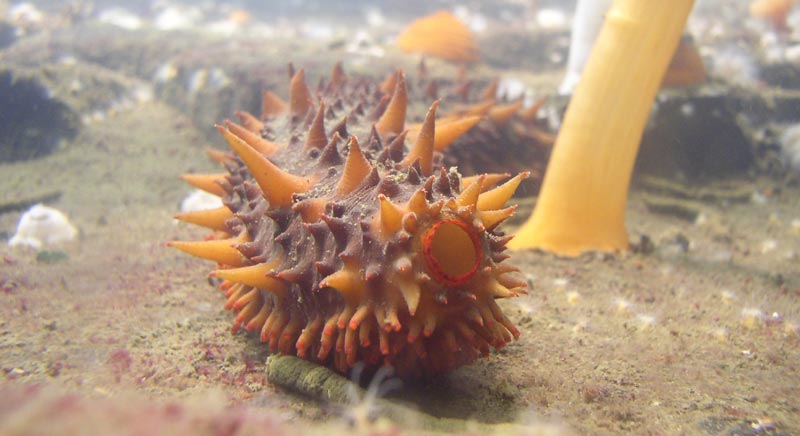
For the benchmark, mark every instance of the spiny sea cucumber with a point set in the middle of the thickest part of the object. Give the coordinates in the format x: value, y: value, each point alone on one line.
x: 340, y: 244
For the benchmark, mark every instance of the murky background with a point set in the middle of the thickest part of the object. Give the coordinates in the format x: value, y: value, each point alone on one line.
x: 104, y: 330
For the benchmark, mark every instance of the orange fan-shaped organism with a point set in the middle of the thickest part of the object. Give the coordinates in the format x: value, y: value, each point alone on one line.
x: 440, y: 35
x: 774, y: 11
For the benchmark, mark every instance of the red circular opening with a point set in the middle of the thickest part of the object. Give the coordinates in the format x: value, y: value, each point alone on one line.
x: 452, y: 251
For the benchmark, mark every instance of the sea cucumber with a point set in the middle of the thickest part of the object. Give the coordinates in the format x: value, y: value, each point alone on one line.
x: 341, y: 244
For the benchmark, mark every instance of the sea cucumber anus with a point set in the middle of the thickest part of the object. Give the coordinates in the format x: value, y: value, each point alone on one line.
x: 341, y: 243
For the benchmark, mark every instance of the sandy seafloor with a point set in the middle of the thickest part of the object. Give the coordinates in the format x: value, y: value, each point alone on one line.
x: 127, y: 334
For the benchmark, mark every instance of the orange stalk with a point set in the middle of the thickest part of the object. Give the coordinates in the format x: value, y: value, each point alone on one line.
x: 581, y: 206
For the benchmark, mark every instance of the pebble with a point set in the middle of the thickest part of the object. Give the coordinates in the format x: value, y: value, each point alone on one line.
x: 752, y: 317
x: 769, y: 246
x: 573, y: 297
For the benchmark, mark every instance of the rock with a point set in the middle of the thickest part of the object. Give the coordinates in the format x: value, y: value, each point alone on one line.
x: 32, y: 122
x: 693, y: 137
x: 790, y: 147
x: 51, y: 257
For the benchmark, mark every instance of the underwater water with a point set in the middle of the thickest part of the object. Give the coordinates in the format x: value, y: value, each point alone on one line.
x: 693, y: 328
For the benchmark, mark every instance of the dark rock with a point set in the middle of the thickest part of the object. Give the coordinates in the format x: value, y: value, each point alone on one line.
x: 50, y: 257
x: 32, y: 123
x: 7, y: 34
x: 694, y: 138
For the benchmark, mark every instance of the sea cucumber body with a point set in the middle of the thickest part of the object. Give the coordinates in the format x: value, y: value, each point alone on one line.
x: 340, y: 243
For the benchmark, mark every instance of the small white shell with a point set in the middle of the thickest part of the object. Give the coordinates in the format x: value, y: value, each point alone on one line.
x: 200, y: 200
x: 42, y: 225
